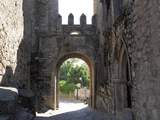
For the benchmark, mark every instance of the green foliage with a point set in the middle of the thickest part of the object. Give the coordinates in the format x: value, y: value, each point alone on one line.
x: 66, y: 87
x: 71, y: 73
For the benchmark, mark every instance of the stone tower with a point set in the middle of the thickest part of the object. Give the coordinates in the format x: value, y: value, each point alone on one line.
x: 46, y: 15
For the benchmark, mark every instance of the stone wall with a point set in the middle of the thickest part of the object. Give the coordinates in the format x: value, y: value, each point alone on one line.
x: 11, y: 32
x: 132, y: 42
x: 146, y: 60
x: 14, y: 45
x: 104, y: 100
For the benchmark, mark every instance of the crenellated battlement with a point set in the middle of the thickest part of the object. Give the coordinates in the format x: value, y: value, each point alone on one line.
x: 83, y: 20
x: 76, y: 29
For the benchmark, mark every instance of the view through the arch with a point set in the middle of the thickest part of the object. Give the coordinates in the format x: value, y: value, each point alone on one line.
x: 77, y: 7
x: 74, y: 87
x: 74, y: 80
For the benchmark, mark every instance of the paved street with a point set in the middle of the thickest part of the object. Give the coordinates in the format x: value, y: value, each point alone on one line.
x: 72, y: 111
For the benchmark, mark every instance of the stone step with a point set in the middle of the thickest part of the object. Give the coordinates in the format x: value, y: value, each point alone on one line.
x: 8, y: 100
x: 6, y: 117
x: 124, y: 115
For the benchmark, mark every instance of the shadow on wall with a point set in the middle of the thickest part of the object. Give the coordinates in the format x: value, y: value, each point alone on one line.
x: 22, y: 71
x: 7, y: 77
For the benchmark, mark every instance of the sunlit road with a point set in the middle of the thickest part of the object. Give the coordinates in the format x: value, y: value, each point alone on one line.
x: 72, y: 111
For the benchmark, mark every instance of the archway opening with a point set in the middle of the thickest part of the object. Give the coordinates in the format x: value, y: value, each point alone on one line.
x: 74, y: 82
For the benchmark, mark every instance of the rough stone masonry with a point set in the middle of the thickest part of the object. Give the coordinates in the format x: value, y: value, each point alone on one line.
x: 121, y: 47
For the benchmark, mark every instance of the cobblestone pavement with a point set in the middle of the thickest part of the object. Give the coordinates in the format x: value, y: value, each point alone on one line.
x: 73, y: 111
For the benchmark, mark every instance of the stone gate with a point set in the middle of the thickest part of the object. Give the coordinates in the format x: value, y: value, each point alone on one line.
x: 54, y: 47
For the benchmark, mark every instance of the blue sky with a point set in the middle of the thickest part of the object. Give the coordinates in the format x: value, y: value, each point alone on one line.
x: 77, y: 7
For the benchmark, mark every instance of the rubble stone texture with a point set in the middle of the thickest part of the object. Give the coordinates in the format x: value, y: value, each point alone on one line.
x: 14, y: 53
x: 11, y: 31
x: 121, y: 48
x: 146, y: 59
x: 133, y: 41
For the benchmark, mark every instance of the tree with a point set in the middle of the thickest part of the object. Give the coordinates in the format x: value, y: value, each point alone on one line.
x: 73, y: 73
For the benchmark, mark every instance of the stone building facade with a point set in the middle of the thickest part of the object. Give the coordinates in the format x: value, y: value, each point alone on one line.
x: 121, y: 47
x: 129, y: 33
x: 55, y: 45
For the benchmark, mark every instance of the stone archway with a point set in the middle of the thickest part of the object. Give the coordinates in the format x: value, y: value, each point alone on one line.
x: 91, y: 66
x: 55, y: 46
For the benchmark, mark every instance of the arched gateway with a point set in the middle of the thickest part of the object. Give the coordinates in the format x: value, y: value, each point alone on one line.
x: 90, y: 64
x: 55, y: 46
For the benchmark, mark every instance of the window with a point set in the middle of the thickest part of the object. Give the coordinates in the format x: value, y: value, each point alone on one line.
x: 75, y: 33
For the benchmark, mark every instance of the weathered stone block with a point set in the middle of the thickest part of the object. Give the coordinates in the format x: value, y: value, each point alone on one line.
x: 125, y: 115
x: 83, y: 19
x: 8, y: 100
x: 6, y: 117
x: 27, y: 100
x: 23, y: 114
x: 70, y: 19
